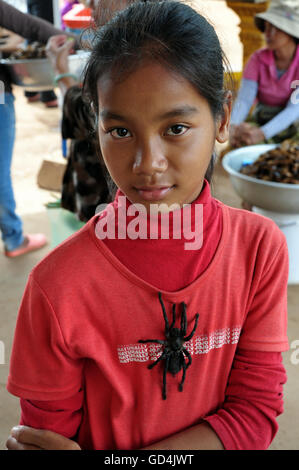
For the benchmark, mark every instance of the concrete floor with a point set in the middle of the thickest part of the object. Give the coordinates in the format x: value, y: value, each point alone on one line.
x: 38, y: 138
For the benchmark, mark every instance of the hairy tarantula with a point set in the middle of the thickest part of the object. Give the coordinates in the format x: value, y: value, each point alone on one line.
x: 174, y: 351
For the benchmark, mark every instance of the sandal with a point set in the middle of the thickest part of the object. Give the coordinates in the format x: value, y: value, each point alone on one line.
x: 31, y: 243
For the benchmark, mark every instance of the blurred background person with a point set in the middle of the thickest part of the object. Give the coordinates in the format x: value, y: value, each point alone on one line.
x: 35, y: 29
x: 85, y: 182
x: 267, y: 81
x: 42, y: 9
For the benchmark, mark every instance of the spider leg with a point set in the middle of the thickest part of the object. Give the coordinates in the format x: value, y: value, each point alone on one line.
x: 159, y: 341
x: 164, y: 314
x: 194, y: 328
x: 164, y: 377
x: 185, y: 366
x: 173, y: 316
x: 183, y: 320
x: 188, y: 355
x: 157, y: 361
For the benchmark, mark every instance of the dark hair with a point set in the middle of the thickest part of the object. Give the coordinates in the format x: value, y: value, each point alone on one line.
x: 77, y: 117
x: 169, y: 32
x: 106, y: 9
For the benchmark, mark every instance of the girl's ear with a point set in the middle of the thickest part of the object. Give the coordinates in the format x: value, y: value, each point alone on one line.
x: 222, y: 130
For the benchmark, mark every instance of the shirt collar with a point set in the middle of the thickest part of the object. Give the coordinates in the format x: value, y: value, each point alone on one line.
x: 204, y: 196
x: 267, y: 57
x: 164, y: 221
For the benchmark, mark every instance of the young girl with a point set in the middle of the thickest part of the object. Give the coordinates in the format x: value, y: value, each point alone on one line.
x: 130, y: 343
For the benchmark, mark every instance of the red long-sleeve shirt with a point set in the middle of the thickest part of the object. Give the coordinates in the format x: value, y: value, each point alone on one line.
x: 254, y: 398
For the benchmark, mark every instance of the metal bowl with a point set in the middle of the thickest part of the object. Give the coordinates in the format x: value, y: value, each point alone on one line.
x: 276, y: 197
x: 38, y: 75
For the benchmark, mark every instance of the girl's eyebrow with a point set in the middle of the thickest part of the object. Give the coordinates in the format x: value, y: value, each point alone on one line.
x: 105, y: 115
x: 184, y: 110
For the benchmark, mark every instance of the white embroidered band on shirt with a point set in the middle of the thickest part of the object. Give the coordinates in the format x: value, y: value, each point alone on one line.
x: 201, y: 344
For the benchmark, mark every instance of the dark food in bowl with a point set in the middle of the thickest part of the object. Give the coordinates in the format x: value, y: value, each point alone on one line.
x: 35, y: 50
x: 280, y: 165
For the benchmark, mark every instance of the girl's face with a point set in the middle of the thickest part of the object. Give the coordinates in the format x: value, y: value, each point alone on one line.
x: 157, y: 135
x: 275, y: 38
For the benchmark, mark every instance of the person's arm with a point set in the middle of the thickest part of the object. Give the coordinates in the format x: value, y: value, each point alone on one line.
x: 246, y: 420
x: 245, y: 99
x: 60, y: 416
x: 26, y: 438
x: 51, y: 400
x: 198, y: 437
x: 282, y: 120
x: 248, y: 134
x: 58, y: 49
x: 252, y: 135
x: 248, y: 92
x: 254, y: 399
x: 9, y: 41
x: 27, y: 26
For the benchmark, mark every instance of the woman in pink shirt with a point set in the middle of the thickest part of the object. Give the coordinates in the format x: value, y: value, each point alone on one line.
x: 269, y: 80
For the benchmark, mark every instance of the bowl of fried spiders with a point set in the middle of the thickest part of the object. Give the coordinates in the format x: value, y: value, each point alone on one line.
x: 266, y: 176
x: 30, y: 68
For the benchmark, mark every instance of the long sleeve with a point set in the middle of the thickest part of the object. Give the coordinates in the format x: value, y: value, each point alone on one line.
x: 245, y: 99
x: 60, y: 416
x: 282, y: 120
x: 254, y: 399
x: 27, y: 26
x: 246, y: 421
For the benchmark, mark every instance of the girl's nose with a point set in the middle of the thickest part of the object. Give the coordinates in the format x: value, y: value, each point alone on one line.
x: 150, y: 159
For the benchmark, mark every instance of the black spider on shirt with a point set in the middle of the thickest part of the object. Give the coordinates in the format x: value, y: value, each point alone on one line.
x: 174, y: 352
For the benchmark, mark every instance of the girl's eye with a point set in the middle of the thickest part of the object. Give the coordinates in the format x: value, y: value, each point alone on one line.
x: 120, y: 133
x: 178, y: 129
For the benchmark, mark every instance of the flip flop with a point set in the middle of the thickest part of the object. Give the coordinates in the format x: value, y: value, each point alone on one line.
x: 35, y: 242
x: 51, y: 104
x: 33, y: 99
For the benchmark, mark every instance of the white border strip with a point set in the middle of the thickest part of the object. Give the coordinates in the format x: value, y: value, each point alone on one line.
x: 202, y: 344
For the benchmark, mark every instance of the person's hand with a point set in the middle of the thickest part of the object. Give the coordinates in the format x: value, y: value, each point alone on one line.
x: 26, y: 438
x: 253, y: 135
x: 10, y: 42
x: 245, y: 134
x: 58, y: 49
x: 235, y: 134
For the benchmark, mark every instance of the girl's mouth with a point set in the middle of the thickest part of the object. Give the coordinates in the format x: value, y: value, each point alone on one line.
x: 153, y: 193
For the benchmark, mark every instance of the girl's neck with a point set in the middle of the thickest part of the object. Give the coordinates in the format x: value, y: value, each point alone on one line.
x: 285, y: 55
